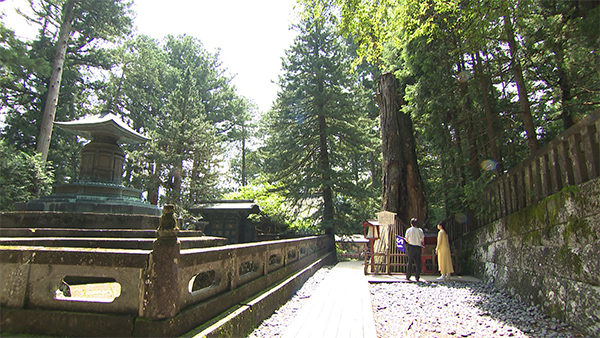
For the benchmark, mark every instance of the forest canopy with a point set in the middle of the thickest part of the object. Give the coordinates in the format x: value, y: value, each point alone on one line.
x: 483, y: 84
x: 486, y: 83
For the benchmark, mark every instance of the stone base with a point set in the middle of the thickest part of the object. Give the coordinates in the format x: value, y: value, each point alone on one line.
x: 92, y: 197
x: 76, y: 220
x: 79, y: 204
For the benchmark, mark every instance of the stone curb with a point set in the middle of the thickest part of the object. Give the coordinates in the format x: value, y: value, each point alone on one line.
x: 242, y: 319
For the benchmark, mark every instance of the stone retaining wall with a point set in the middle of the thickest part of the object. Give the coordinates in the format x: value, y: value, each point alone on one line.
x: 545, y: 254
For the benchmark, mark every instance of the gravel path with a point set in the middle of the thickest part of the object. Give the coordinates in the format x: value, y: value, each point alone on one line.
x: 434, y: 309
x: 459, y: 309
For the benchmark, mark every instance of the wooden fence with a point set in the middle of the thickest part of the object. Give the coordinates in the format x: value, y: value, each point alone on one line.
x: 387, y: 259
x: 573, y: 157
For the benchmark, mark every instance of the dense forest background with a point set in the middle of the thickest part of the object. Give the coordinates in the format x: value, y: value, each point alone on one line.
x: 482, y: 84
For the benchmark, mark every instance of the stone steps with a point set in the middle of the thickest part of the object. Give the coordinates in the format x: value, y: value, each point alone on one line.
x: 90, y: 230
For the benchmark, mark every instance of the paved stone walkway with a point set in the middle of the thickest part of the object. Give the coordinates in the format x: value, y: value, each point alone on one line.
x: 339, y: 302
x: 340, y: 306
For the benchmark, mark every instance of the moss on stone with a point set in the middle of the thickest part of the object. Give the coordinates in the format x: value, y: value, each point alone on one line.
x: 555, y: 310
x: 522, y: 220
x: 569, y: 259
x: 544, y: 212
x: 580, y: 228
x: 533, y: 237
x: 465, y: 253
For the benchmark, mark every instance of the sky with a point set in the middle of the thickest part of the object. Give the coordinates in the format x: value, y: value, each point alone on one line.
x: 250, y: 35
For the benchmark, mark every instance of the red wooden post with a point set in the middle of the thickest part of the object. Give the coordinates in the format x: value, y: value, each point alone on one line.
x: 371, y: 232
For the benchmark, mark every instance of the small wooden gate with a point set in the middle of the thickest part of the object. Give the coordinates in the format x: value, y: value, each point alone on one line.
x: 389, y: 260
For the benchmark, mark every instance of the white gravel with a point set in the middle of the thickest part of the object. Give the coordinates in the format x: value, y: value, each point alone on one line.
x: 434, y: 309
x: 457, y: 309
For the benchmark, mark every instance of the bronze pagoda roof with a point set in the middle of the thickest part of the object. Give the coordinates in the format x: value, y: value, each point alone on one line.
x: 108, y: 125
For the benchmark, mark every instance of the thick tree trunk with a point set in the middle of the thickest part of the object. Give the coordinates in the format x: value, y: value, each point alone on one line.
x: 244, y: 181
x: 153, y: 187
x: 324, y: 164
x: 401, y: 182
x: 153, y: 196
x: 43, y: 141
x: 565, y: 88
x: 490, y: 116
x: 450, y: 174
x: 457, y: 156
x: 521, y: 86
x: 325, y: 171
x: 177, y: 179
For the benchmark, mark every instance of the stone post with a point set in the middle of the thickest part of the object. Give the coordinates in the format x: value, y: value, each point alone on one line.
x: 161, y: 279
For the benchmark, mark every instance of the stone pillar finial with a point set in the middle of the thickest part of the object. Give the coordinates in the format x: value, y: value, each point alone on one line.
x: 168, y: 226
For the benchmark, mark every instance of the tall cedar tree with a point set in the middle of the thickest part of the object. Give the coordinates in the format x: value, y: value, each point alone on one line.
x: 509, y: 72
x: 84, y: 21
x: 313, y: 127
x: 403, y: 191
x: 24, y: 93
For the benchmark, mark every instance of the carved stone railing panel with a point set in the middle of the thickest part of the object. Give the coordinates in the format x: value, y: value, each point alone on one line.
x: 240, y: 264
x: 33, y: 277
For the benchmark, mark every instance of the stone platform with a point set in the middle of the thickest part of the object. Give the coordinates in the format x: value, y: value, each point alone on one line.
x: 104, y: 239
x: 76, y: 220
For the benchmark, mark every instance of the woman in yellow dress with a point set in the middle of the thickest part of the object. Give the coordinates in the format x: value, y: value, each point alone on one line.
x: 443, y: 252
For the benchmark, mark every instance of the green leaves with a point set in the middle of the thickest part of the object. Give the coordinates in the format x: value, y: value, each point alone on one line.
x: 26, y: 68
x: 461, y: 79
x: 317, y: 144
x: 22, y: 176
x: 174, y: 90
x: 177, y: 91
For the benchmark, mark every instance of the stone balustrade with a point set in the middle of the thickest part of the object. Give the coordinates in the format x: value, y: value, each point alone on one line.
x: 161, y: 292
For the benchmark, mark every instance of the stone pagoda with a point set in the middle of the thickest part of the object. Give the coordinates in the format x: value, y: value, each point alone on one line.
x: 99, y: 188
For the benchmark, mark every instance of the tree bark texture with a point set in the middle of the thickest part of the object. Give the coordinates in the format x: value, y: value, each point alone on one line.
x: 153, y: 185
x: 468, y: 126
x: 325, y: 170
x: 43, y: 142
x: 565, y: 88
x: 324, y: 163
x: 177, y: 180
x: 521, y: 86
x: 401, y: 182
x: 490, y: 116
